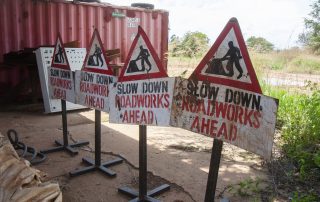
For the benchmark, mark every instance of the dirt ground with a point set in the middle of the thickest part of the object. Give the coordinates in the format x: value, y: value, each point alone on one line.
x: 177, y: 157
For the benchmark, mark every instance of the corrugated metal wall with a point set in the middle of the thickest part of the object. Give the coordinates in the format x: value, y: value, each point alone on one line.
x: 34, y: 23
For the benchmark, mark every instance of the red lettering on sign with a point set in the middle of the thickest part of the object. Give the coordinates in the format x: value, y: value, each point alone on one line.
x: 166, y: 99
x: 210, y: 127
x: 201, y: 107
x: 138, y: 117
x: 213, y: 128
x: 94, y: 102
x: 227, y: 111
x: 143, y: 101
x: 221, y: 108
x: 59, y: 93
x: 61, y: 83
x: 94, y: 89
x: 223, y: 130
x: 247, y: 117
x: 257, y: 116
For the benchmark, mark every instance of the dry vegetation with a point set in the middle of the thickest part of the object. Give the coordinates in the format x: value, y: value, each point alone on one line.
x: 286, y: 61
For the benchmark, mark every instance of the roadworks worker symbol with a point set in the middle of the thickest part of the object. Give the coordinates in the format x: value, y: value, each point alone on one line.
x: 142, y: 61
x: 59, y: 59
x: 95, y: 60
x: 228, y: 62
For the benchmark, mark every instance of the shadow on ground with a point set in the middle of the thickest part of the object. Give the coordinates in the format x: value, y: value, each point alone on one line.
x: 175, y: 156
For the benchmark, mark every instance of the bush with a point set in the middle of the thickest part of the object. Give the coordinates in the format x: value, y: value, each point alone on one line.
x: 192, y: 44
x: 259, y: 44
x: 300, y: 129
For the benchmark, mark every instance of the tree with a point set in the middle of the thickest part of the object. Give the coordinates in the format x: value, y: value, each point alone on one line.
x: 174, y: 45
x: 311, y: 37
x: 259, y: 44
x: 192, y: 44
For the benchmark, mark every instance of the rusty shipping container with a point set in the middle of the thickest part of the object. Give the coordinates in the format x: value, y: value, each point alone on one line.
x: 34, y: 23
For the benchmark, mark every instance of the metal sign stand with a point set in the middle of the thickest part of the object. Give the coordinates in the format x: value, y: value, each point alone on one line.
x: 65, y: 145
x: 213, y: 170
x: 96, y: 163
x: 143, y: 195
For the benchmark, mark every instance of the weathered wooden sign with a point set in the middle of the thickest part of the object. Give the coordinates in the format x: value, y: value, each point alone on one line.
x: 242, y: 118
x: 92, y: 81
x: 143, y: 95
x: 60, y: 77
x: 225, y: 104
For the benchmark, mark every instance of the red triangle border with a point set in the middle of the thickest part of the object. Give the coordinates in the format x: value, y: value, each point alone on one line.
x: 162, y: 73
x: 254, y: 86
x: 65, y: 67
x: 93, y: 70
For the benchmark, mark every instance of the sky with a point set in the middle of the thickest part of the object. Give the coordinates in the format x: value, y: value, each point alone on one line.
x: 278, y: 21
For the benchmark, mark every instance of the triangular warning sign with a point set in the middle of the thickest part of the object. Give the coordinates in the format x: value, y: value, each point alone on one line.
x: 142, y: 61
x: 227, y: 62
x: 95, y: 60
x: 59, y: 59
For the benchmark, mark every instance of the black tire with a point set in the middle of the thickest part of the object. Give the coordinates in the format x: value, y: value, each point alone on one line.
x: 90, y: 1
x: 143, y: 5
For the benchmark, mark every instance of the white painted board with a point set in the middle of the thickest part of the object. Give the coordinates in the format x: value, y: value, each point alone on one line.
x: 92, y: 89
x: 44, y: 58
x: 142, y: 102
x: 61, y: 84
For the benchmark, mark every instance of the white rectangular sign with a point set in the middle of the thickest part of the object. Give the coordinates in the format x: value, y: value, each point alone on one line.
x: 92, y: 89
x: 236, y: 116
x: 142, y: 102
x: 61, y: 84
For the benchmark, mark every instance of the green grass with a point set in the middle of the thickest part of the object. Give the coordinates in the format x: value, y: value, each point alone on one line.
x: 299, y: 123
x: 298, y: 118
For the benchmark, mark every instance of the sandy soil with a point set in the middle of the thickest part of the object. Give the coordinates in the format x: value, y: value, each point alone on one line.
x: 175, y: 156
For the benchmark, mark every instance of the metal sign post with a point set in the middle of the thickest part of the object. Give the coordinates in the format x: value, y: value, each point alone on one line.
x: 213, y: 170
x: 143, y: 194
x: 96, y: 163
x: 65, y: 145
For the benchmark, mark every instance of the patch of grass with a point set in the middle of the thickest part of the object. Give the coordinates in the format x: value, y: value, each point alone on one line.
x: 291, y: 61
x: 309, y: 197
x: 298, y: 118
x: 305, y: 64
x: 250, y: 189
x: 299, y: 115
x: 183, y: 62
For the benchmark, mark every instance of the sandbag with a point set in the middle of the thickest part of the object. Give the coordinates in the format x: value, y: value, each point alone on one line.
x: 19, y: 182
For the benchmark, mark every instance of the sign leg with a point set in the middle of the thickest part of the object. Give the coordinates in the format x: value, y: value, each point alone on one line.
x: 96, y: 163
x: 65, y: 144
x: 142, y: 162
x: 213, y: 170
x: 97, y: 139
x: 143, y: 195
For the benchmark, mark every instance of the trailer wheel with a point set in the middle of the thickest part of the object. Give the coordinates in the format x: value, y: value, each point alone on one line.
x: 143, y: 5
x: 89, y: 1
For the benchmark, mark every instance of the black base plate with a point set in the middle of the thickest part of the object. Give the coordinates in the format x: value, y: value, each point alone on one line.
x: 68, y: 148
x: 149, y: 197
x: 103, y: 167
